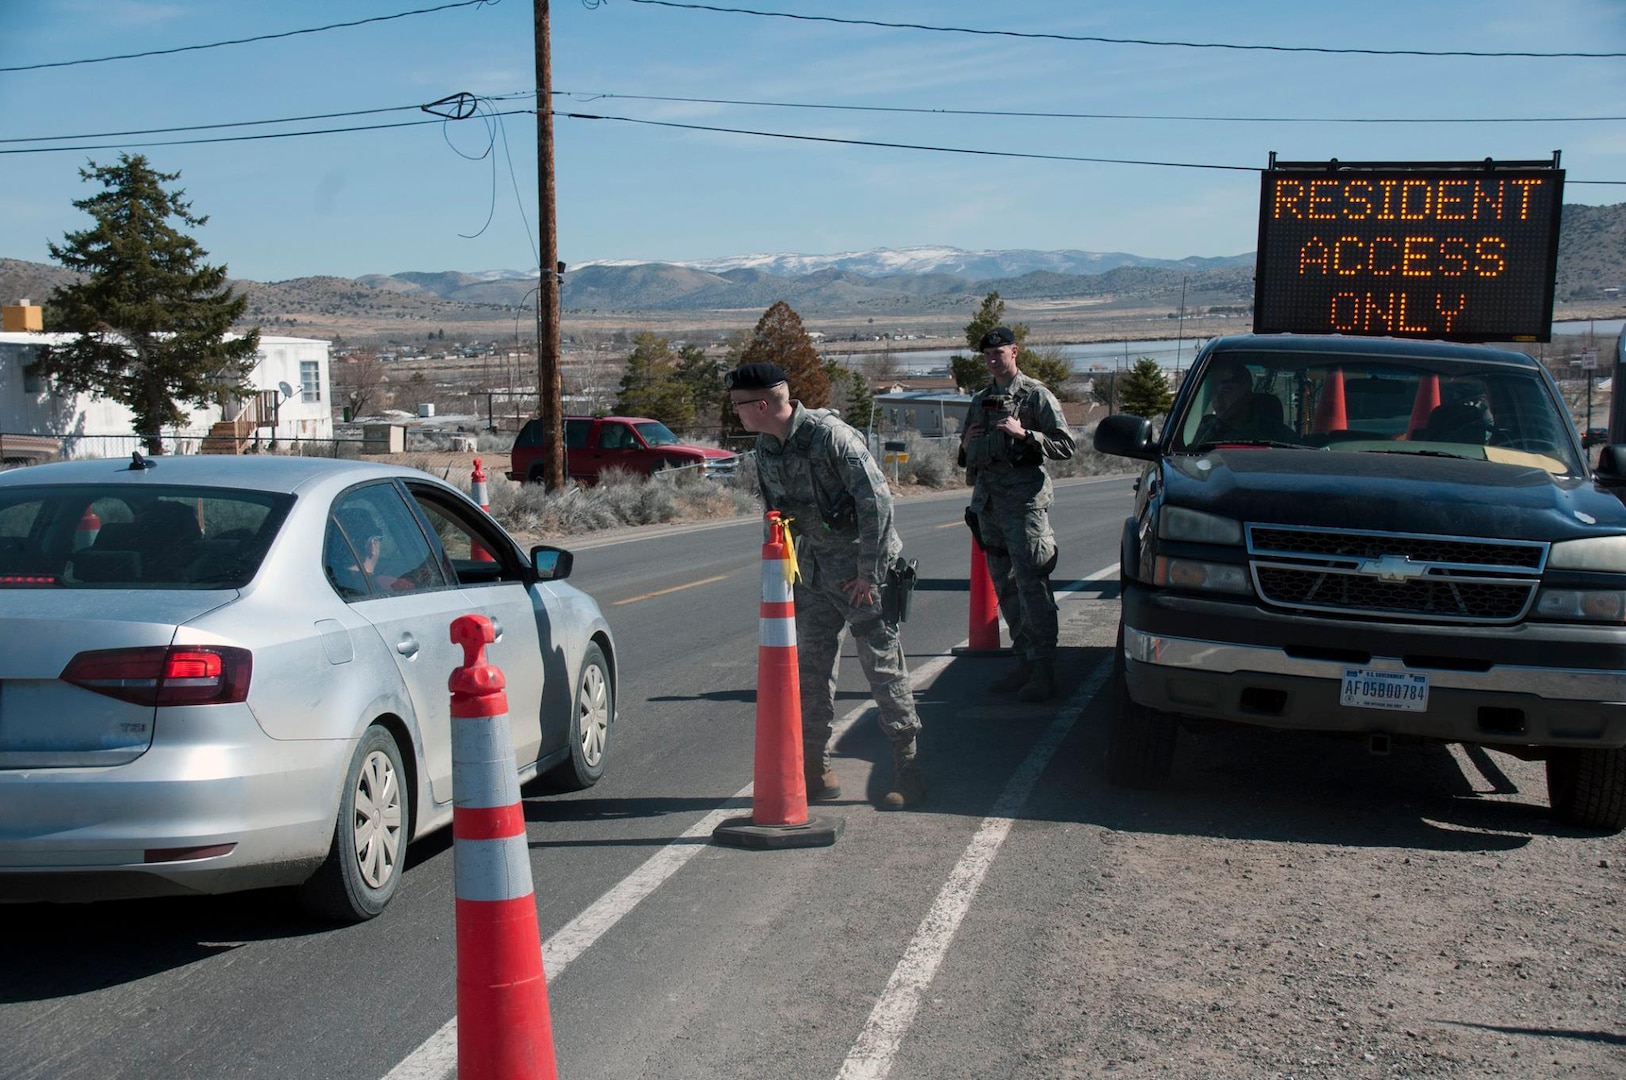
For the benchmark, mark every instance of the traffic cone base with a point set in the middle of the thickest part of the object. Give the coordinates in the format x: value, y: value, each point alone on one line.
x: 746, y: 833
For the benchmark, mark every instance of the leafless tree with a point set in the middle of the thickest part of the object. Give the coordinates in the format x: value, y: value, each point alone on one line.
x: 359, y: 380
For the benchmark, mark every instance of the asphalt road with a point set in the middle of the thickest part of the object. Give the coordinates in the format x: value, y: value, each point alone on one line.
x: 1288, y: 907
x: 668, y: 956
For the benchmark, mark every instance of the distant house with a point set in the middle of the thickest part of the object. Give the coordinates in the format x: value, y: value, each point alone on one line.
x: 932, y: 413
x: 291, y: 400
x: 940, y: 413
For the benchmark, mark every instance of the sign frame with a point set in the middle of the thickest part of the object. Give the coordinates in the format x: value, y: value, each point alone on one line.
x: 1482, y: 306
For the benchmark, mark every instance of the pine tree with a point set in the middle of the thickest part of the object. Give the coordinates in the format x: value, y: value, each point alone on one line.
x: 850, y: 394
x: 779, y: 338
x: 649, y: 386
x: 1144, y: 390
x: 701, y: 377
x: 971, y: 374
x: 988, y: 316
x: 151, y: 316
x: 1049, y: 367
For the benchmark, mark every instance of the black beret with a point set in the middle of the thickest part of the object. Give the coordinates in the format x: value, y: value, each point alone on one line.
x: 996, y: 337
x: 754, y: 377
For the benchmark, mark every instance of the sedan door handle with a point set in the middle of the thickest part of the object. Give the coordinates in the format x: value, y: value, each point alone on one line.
x: 407, y: 646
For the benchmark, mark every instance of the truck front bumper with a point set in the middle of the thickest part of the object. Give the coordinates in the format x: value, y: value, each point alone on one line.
x: 1528, y: 685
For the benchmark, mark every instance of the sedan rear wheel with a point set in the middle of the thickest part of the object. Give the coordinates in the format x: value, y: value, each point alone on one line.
x: 363, y: 866
x: 589, y: 725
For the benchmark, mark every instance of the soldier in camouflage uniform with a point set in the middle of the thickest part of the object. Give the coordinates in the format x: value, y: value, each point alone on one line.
x: 818, y: 472
x: 1012, y: 426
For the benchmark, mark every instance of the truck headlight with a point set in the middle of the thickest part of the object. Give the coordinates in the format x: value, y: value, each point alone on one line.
x: 1197, y: 527
x: 1606, y: 554
x: 1201, y: 575
x: 1582, y: 605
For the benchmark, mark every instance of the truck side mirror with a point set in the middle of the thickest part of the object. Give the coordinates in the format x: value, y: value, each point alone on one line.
x: 1611, y: 471
x: 1125, y: 435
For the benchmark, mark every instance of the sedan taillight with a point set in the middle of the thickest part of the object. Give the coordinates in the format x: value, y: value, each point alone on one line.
x: 160, y: 675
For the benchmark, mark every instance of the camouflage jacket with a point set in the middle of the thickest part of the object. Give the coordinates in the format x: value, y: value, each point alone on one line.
x: 1004, y: 473
x: 823, y: 476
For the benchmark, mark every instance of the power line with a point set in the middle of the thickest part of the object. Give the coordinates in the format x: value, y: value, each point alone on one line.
x: 595, y: 96
x: 248, y: 138
x: 247, y: 40
x: 212, y: 127
x: 1130, y: 41
x: 950, y: 149
x: 908, y: 146
x: 633, y: 120
x: 1007, y: 113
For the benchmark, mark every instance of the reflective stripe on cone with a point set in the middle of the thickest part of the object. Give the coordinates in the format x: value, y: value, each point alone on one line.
x: 503, y: 1028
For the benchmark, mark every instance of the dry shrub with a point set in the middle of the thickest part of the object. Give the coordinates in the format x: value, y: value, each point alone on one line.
x: 619, y: 500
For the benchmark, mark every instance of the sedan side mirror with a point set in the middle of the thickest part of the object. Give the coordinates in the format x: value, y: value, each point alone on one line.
x: 551, y: 563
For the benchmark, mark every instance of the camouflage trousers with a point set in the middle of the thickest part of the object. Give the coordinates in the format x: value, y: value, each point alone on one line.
x: 822, y: 616
x: 1021, y: 551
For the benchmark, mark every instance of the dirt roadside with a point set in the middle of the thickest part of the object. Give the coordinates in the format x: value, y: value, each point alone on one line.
x: 1292, y: 906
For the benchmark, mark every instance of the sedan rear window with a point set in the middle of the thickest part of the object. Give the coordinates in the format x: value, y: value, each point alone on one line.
x: 114, y: 537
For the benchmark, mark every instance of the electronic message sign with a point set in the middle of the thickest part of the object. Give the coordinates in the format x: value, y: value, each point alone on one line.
x: 1462, y: 251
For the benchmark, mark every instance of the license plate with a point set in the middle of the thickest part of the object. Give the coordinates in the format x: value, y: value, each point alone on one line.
x: 1366, y: 688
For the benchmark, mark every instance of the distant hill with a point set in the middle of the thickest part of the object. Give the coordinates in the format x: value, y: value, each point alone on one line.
x: 974, y: 265
x: 884, y: 282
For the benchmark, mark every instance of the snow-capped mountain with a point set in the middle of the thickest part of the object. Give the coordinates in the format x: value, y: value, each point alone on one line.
x: 885, y: 262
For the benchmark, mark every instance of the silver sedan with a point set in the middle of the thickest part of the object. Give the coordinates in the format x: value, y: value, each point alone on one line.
x: 226, y: 673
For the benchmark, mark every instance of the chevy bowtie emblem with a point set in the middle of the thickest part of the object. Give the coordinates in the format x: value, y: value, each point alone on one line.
x: 1392, y: 568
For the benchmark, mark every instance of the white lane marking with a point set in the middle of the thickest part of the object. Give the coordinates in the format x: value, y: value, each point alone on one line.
x: 436, y: 1057
x: 875, y: 1050
x: 1099, y: 575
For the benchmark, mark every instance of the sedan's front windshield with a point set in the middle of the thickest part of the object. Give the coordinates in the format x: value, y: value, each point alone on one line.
x: 1414, y: 405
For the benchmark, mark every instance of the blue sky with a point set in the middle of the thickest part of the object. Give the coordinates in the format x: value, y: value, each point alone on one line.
x: 405, y: 199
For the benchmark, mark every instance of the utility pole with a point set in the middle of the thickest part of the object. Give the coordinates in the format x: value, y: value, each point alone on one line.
x: 1180, y: 328
x: 549, y: 383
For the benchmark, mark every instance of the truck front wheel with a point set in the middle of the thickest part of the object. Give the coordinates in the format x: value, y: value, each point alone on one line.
x: 1587, y: 787
x: 1140, y: 741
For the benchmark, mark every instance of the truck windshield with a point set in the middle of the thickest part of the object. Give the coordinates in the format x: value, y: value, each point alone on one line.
x: 1492, y: 412
x: 656, y: 433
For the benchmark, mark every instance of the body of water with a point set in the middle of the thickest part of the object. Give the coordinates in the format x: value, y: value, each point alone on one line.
x: 1173, y: 353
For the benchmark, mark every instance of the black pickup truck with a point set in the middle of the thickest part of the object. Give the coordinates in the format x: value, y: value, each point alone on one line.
x: 1387, y: 538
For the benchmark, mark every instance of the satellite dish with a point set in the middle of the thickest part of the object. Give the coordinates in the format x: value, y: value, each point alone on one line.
x: 288, y: 392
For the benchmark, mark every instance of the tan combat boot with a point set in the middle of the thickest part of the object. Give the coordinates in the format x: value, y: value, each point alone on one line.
x: 908, y: 786
x: 822, y: 783
x: 1014, y: 680
x: 1041, y: 685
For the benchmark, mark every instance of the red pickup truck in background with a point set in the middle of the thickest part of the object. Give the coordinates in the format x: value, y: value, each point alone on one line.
x: 633, y: 444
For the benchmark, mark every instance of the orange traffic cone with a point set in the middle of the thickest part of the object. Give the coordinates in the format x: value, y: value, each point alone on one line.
x: 779, y: 817
x: 1329, y: 411
x: 477, y: 491
x: 503, y: 1029
x: 1428, y: 399
x: 90, y: 526
x: 983, y: 638
x: 984, y: 602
